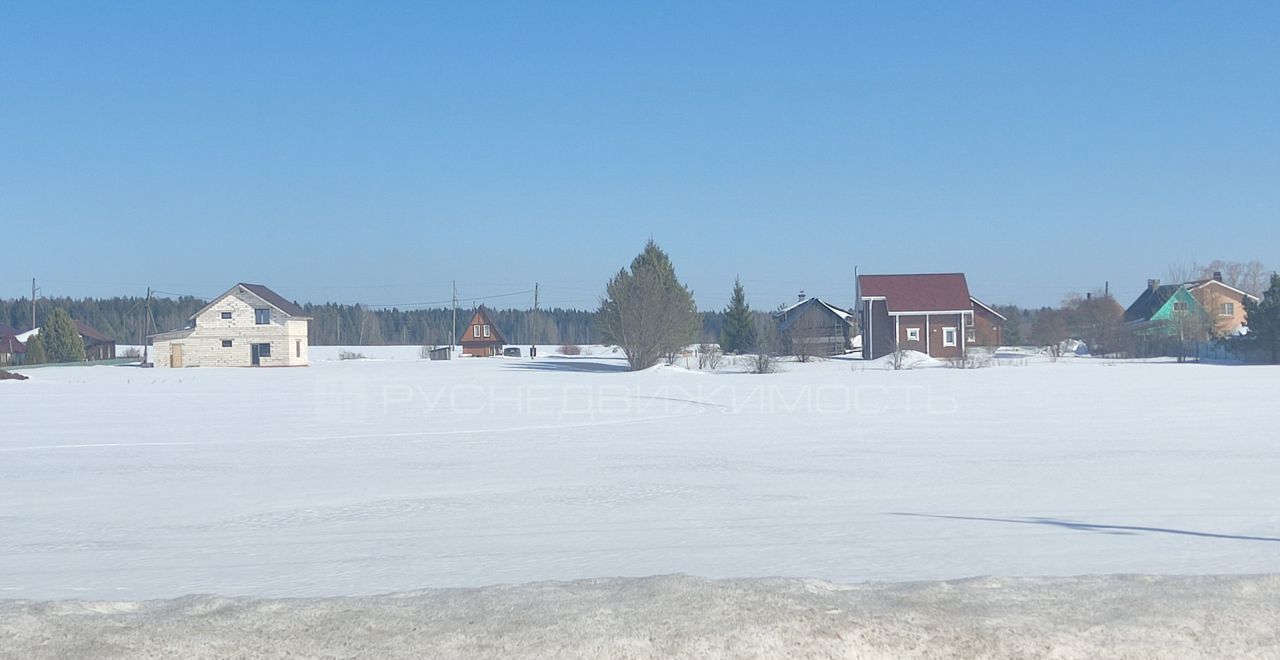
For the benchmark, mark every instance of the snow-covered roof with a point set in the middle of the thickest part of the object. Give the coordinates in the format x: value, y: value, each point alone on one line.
x: 818, y: 301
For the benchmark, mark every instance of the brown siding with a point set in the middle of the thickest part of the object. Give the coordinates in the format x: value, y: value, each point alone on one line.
x: 932, y: 324
x: 987, y: 327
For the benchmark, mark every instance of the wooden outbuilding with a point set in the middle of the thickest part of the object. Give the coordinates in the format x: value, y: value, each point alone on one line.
x: 481, y: 337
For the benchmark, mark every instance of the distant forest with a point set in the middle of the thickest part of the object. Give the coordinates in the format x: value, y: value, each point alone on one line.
x: 125, y: 320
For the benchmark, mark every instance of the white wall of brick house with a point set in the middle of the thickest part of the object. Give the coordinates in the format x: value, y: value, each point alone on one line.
x: 202, y: 346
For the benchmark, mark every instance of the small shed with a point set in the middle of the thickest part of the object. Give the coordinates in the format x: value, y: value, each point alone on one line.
x: 441, y: 353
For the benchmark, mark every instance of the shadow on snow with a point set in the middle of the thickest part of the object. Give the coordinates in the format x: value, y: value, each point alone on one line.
x: 569, y: 364
x: 1102, y: 529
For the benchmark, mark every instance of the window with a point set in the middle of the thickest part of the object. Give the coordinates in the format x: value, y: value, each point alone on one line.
x: 1179, y: 306
x: 486, y: 331
x: 226, y: 343
x: 226, y: 315
x: 913, y: 334
x: 475, y: 331
x: 262, y: 316
x: 948, y: 336
x: 297, y: 347
x: 264, y: 350
x: 1228, y: 309
x: 971, y: 335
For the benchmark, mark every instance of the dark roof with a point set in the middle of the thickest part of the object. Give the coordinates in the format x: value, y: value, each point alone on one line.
x: 275, y: 299
x: 925, y: 292
x: 1150, y: 302
x: 89, y: 332
x: 7, y: 330
x: 796, y: 311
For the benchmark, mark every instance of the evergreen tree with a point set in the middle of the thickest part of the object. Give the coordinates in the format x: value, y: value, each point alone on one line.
x: 35, y: 350
x: 647, y: 312
x: 1011, y: 329
x: 1264, y: 322
x: 62, y: 342
x: 739, y: 333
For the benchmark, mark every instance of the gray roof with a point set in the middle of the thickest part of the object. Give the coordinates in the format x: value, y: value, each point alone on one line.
x: 275, y: 299
x: 787, y: 317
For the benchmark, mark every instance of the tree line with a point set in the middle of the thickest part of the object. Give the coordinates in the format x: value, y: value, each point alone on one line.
x: 125, y: 320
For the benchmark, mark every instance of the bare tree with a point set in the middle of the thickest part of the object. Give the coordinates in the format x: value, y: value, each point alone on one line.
x: 1099, y: 320
x: 1252, y: 277
x: 899, y: 359
x: 709, y: 356
x: 763, y: 358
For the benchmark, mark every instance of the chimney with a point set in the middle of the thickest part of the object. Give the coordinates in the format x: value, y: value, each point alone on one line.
x: 801, y: 296
x: 1217, y: 275
x: 1153, y: 284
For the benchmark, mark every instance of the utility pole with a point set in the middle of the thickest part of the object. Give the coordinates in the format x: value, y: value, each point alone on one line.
x: 453, y: 327
x: 33, y: 303
x: 145, y: 321
x: 535, y: 296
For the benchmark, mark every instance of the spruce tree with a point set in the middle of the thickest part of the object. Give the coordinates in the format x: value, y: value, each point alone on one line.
x: 647, y: 312
x: 62, y: 342
x: 35, y: 350
x: 1264, y: 322
x: 739, y: 333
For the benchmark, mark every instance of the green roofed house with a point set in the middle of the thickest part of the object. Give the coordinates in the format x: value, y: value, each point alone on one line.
x: 1165, y: 315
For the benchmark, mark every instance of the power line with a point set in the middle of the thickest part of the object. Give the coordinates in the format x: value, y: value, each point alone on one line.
x: 451, y: 300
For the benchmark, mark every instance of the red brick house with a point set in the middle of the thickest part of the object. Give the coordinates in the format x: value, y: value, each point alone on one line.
x: 931, y: 313
x: 481, y: 337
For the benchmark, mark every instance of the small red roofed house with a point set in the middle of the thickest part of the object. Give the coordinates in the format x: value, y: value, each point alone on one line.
x: 481, y: 337
x: 931, y: 313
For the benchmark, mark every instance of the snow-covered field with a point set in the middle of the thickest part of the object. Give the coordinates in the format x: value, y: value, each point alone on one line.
x: 380, y: 475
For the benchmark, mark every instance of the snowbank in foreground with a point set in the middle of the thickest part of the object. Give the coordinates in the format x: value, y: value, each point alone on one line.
x: 677, y: 616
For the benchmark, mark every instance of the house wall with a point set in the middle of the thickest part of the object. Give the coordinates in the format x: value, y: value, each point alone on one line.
x: 821, y: 330
x: 931, y: 325
x: 987, y: 327
x: 202, y: 346
x: 877, y: 336
x: 481, y: 349
x: 1211, y: 296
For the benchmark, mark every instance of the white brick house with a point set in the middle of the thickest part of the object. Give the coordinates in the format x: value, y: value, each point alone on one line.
x: 248, y: 326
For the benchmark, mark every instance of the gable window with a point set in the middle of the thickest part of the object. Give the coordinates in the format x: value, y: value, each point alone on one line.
x: 475, y: 331
x: 1179, y: 306
x: 948, y: 336
x: 226, y: 315
x: 1228, y: 309
x: 262, y: 316
x: 226, y: 343
x: 913, y: 334
x: 486, y: 331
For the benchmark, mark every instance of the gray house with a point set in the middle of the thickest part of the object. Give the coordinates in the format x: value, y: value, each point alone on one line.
x: 813, y: 326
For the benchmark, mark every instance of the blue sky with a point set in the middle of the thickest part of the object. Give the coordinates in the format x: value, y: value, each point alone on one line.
x: 373, y: 152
